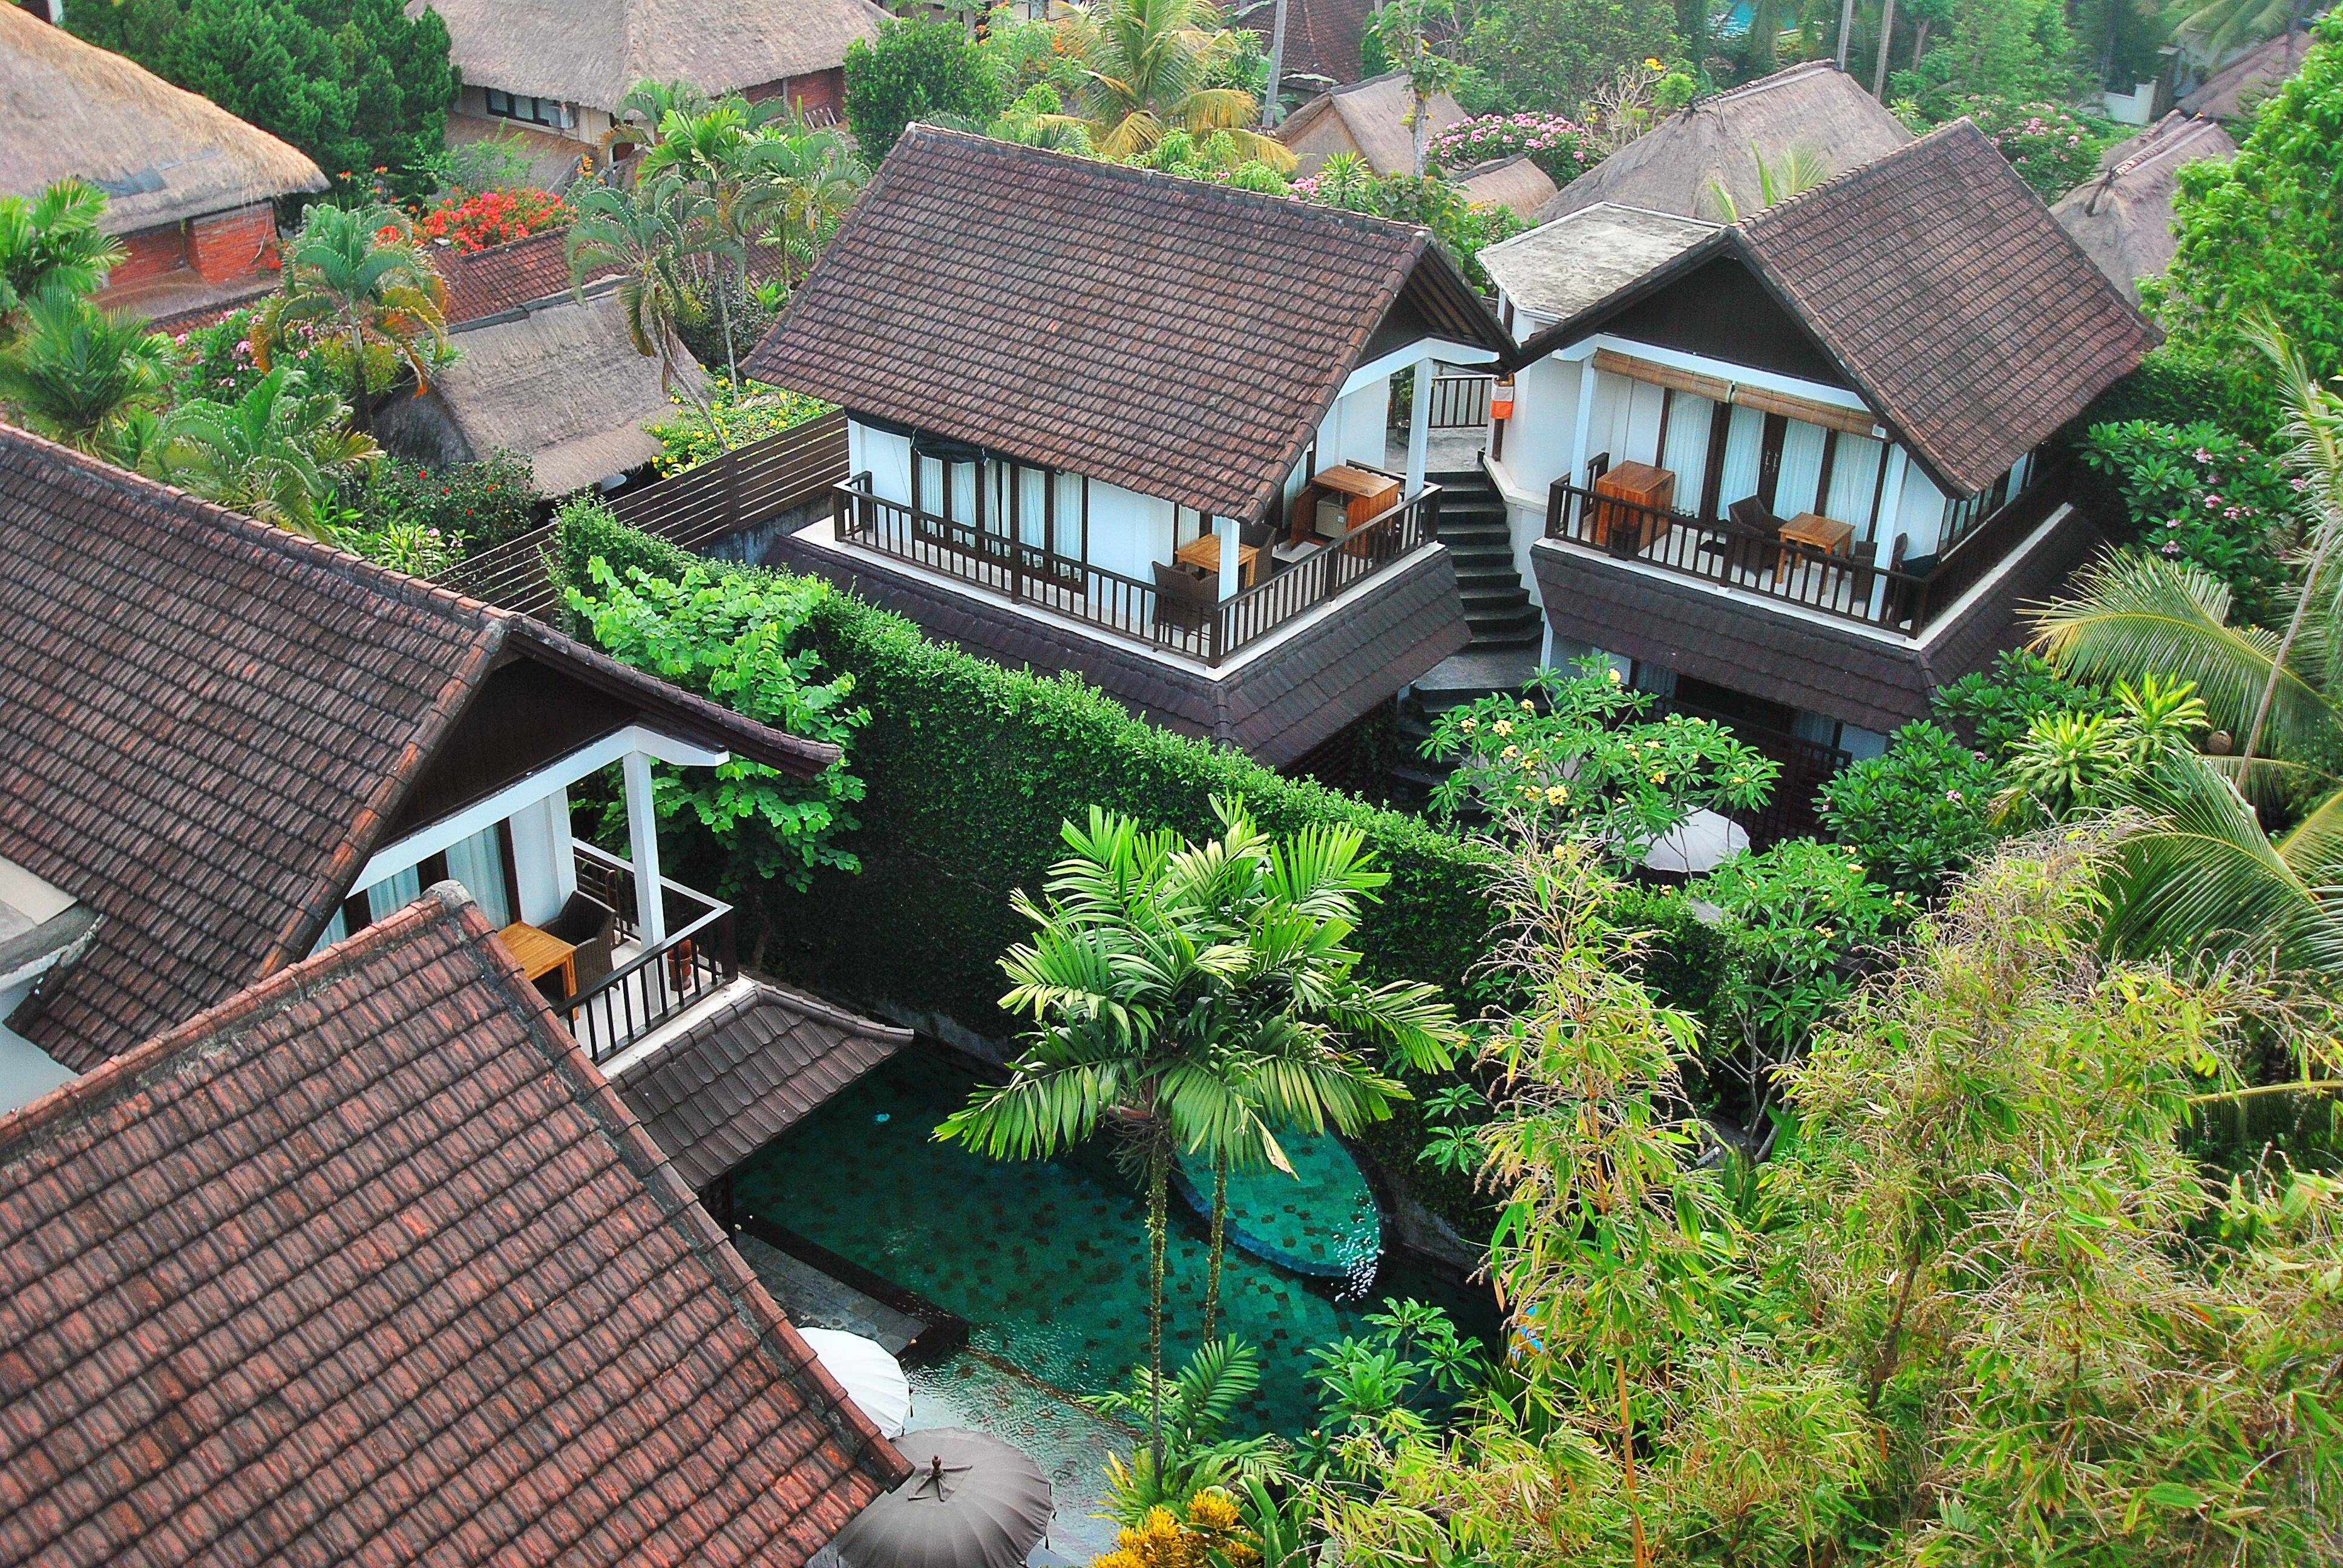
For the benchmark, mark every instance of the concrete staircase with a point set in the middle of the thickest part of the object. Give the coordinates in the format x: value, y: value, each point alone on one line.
x: 1472, y: 526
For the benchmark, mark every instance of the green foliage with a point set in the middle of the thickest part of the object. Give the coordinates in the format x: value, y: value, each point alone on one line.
x: 359, y: 289
x: 1198, y: 1403
x: 743, y: 412
x: 2012, y: 50
x: 1577, y: 756
x: 1386, y: 1380
x: 730, y: 638
x: 218, y: 361
x: 1023, y: 54
x: 2167, y: 388
x: 404, y: 543
x: 917, y: 69
x: 52, y: 243
x: 1554, y: 54
x: 2263, y: 232
x: 1999, y: 705
x: 1348, y: 182
x: 2052, y: 148
x: 359, y: 84
x: 471, y: 507
x: 2199, y: 494
x: 1916, y: 815
x: 2071, y: 763
x: 281, y: 453
x: 75, y: 373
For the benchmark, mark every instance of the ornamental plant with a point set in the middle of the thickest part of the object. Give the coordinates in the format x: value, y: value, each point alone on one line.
x: 1914, y: 816
x: 1577, y: 757
x: 491, y: 217
x: 219, y: 361
x: 741, y: 412
x: 474, y: 506
x: 2053, y: 150
x: 1563, y: 147
x: 2202, y: 494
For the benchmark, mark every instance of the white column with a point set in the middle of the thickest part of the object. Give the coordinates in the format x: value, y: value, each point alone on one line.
x: 642, y: 839
x: 1586, y: 425
x: 1226, y: 528
x: 1419, y: 427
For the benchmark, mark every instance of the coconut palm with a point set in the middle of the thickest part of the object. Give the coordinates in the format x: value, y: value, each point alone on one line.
x: 358, y: 283
x: 709, y: 151
x: 1146, y: 68
x: 1799, y: 169
x: 647, y: 235
x: 1196, y: 998
x: 2214, y: 30
x: 51, y: 242
x: 2208, y: 874
x: 75, y: 373
x: 276, y: 454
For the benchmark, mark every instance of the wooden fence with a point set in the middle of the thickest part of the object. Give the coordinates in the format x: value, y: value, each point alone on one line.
x: 707, y: 502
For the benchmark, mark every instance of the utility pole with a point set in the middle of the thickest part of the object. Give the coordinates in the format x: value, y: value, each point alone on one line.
x: 1276, y: 68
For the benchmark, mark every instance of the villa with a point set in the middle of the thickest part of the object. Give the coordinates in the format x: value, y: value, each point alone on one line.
x: 2122, y: 216
x: 1789, y: 471
x: 213, y: 769
x: 1135, y: 426
x: 189, y: 188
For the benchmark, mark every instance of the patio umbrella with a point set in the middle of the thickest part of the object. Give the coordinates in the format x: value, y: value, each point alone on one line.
x: 972, y: 1501
x: 870, y: 1377
x: 1699, y: 844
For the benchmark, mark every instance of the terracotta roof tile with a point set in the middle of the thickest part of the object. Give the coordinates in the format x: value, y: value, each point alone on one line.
x: 368, y: 1264
x: 204, y: 723
x: 482, y: 283
x: 1176, y: 337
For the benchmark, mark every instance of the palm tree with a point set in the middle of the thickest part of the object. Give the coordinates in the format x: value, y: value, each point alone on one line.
x: 1196, y: 998
x: 707, y: 151
x: 275, y: 453
x: 2208, y: 873
x: 1799, y: 169
x: 357, y: 279
x: 1146, y: 65
x: 75, y: 373
x: 645, y: 235
x: 2212, y: 30
x: 819, y: 178
x: 51, y: 242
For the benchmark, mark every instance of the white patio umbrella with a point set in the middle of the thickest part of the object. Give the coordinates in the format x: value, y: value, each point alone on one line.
x: 1700, y: 843
x: 871, y: 1378
x: 971, y: 1501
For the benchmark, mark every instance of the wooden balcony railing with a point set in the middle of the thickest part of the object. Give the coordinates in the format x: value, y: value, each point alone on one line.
x: 1460, y: 402
x: 652, y: 986
x: 1029, y: 574
x: 1850, y: 589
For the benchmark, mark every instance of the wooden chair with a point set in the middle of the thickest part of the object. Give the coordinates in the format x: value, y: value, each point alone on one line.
x: 1750, y: 538
x: 1185, y: 598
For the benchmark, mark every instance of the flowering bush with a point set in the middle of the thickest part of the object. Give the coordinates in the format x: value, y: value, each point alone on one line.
x: 747, y: 412
x: 404, y: 544
x: 492, y: 217
x: 217, y: 362
x: 2200, y: 494
x: 1564, y: 149
x: 1916, y: 815
x: 2053, y: 150
x: 469, y: 507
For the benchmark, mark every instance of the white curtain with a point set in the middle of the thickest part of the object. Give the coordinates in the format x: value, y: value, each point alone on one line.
x: 962, y: 509
x: 1033, y: 506
x: 394, y: 892
x: 1743, y: 437
x: 1070, y: 542
x: 1687, y: 453
x: 1855, y: 481
x: 479, y: 862
x: 1801, y: 469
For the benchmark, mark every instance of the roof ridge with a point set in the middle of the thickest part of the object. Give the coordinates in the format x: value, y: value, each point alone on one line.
x: 1944, y: 132
x: 1766, y: 82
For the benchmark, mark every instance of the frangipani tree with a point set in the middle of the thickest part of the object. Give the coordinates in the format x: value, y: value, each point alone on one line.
x: 1198, y: 997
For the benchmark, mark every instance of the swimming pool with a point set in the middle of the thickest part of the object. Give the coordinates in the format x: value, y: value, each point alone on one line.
x: 1047, y: 1259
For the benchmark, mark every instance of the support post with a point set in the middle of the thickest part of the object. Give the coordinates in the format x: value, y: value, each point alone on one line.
x: 1584, y: 426
x: 1419, y: 428
x: 1229, y: 546
x: 642, y: 839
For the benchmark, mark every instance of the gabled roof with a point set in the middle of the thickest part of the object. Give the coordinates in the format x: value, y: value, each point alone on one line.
x: 205, y: 724
x: 1179, y: 339
x: 2122, y: 216
x: 160, y: 152
x: 503, y: 278
x: 1582, y: 259
x: 1815, y: 107
x: 369, y: 1264
x: 2239, y: 86
x: 1938, y: 284
x: 1373, y: 117
x: 593, y: 52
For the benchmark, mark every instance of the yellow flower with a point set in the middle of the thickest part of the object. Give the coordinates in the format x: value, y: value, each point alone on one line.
x: 1502, y: 727
x: 1557, y: 794
x: 1615, y: 678
x: 1212, y: 1509
x: 1560, y: 852
x: 1659, y: 777
x: 1527, y: 706
x: 1509, y: 753
x: 1470, y: 725
x: 1652, y: 63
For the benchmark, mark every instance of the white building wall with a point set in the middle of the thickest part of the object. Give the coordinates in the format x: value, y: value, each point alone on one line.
x: 885, y: 456
x: 1545, y: 415
x: 1921, y: 517
x: 1129, y: 532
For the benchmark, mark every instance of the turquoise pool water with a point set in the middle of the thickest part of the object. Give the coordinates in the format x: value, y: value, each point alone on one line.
x: 1046, y: 1260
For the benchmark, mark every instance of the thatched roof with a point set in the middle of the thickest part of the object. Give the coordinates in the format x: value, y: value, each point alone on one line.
x: 561, y: 384
x: 160, y: 152
x: 2242, y: 84
x: 593, y: 52
x: 1322, y: 37
x: 2122, y: 216
x: 1515, y: 183
x: 1816, y: 107
x: 1369, y: 118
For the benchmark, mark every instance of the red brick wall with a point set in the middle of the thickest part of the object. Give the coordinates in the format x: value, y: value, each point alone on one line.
x: 819, y: 90
x: 227, y: 245
x: 149, y: 254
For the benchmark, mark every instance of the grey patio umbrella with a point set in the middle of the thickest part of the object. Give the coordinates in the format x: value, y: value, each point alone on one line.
x: 972, y: 1501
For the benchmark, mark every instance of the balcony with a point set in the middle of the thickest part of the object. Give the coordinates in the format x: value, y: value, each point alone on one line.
x: 651, y: 984
x: 1209, y: 631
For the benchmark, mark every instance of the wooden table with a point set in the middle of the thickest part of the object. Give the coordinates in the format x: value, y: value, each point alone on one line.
x: 1368, y: 495
x: 1643, y: 485
x: 1205, y: 551
x: 1822, y: 533
x: 540, y: 954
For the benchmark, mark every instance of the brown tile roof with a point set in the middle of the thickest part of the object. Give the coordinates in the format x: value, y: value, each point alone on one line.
x: 1179, y: 339
x: 205, y: 724
x: 503, y: 277
x: 370, y: 1264
x: 1322, y: 37
x: 741, y: 1077
x: 1963, y: 311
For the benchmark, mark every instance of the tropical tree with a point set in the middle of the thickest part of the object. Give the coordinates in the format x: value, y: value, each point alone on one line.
x: 1146, y: 71
x: 1197, y: 998
x: 51, y: 242
x: 1403, y: 28
x: 2213, y: 30
x: 276, y: 454
x: 711, y: 150
x: 1198, y: 1405
x: 647, y: 235
x: 77, y: 372
x: 1799, y: 169
x: 357, y: 283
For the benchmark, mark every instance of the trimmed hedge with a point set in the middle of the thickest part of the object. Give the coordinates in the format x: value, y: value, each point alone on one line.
x: 971, y: 768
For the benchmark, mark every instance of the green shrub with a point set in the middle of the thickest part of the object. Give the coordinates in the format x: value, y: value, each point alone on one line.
x: 1999, y: 705
x: 2199, y: 494
x: 1916, y: 815
x: 748, y: 412
x: 917, y: 69
x: 480, y: 504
